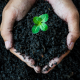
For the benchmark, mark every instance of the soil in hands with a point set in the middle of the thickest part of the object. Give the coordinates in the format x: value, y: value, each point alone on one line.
x: 45, y: 45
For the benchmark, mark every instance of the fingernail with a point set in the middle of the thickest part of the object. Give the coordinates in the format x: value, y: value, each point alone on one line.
x: 7, y: 45
x: 71, y: 45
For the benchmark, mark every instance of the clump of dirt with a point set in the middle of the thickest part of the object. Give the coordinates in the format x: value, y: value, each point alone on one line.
x: 43, y: 46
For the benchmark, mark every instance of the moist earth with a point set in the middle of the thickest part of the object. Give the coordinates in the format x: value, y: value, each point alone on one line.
x: 11, y: 68
x: 45, y: 45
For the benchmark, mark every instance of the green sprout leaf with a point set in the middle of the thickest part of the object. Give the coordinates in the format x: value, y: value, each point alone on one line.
x: 40, y: 23
x: 37, y: 20
x: 35, y: 29
x: 43, y: 27
x: 44, y: 17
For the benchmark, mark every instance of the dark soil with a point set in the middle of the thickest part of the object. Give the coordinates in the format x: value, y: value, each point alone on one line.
x: 43, y: 46
x: 11, y: 68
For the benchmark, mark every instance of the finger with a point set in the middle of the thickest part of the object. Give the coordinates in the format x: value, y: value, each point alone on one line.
x: 53, y: 63
x: 71, y: 16
x: 30, y: 62
x: 8, y: 19
x: 27, y: 59
x: 0, y: 29
x: 37, y: 69
x: 74, y: 32
x: 22, y: 58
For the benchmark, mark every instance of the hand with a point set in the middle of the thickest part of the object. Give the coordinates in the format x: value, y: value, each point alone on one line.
x: 15, y: 10
x: 67, y: 11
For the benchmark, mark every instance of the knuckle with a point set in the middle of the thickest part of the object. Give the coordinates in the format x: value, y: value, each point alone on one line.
x: 77, y: 35
x: 10, y: 11
x: 74, y: 15
x: 3, y: 33
x: 6, y: 11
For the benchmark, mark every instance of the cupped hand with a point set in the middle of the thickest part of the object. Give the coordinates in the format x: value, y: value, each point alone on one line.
x: 67, y: 11
x: 15, y: 10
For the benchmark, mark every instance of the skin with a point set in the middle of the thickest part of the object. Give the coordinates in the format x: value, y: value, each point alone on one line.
x: 12, y: 12
x: 67, y: 11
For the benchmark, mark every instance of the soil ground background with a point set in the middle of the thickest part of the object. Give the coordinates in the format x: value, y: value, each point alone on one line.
x: 11, y: 68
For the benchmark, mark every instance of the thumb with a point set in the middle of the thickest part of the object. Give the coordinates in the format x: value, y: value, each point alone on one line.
x: 8, y: 19
x: 74, y: 33
x: 71, y: 39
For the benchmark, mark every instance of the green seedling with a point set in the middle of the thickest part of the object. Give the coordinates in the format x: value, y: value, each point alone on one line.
x: 40, y: 23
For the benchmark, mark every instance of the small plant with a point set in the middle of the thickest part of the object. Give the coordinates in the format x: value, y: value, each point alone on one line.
x: 40, y: 23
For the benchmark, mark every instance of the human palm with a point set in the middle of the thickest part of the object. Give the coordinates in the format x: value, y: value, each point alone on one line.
x: 67, y: 11
x: 11, y: 13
